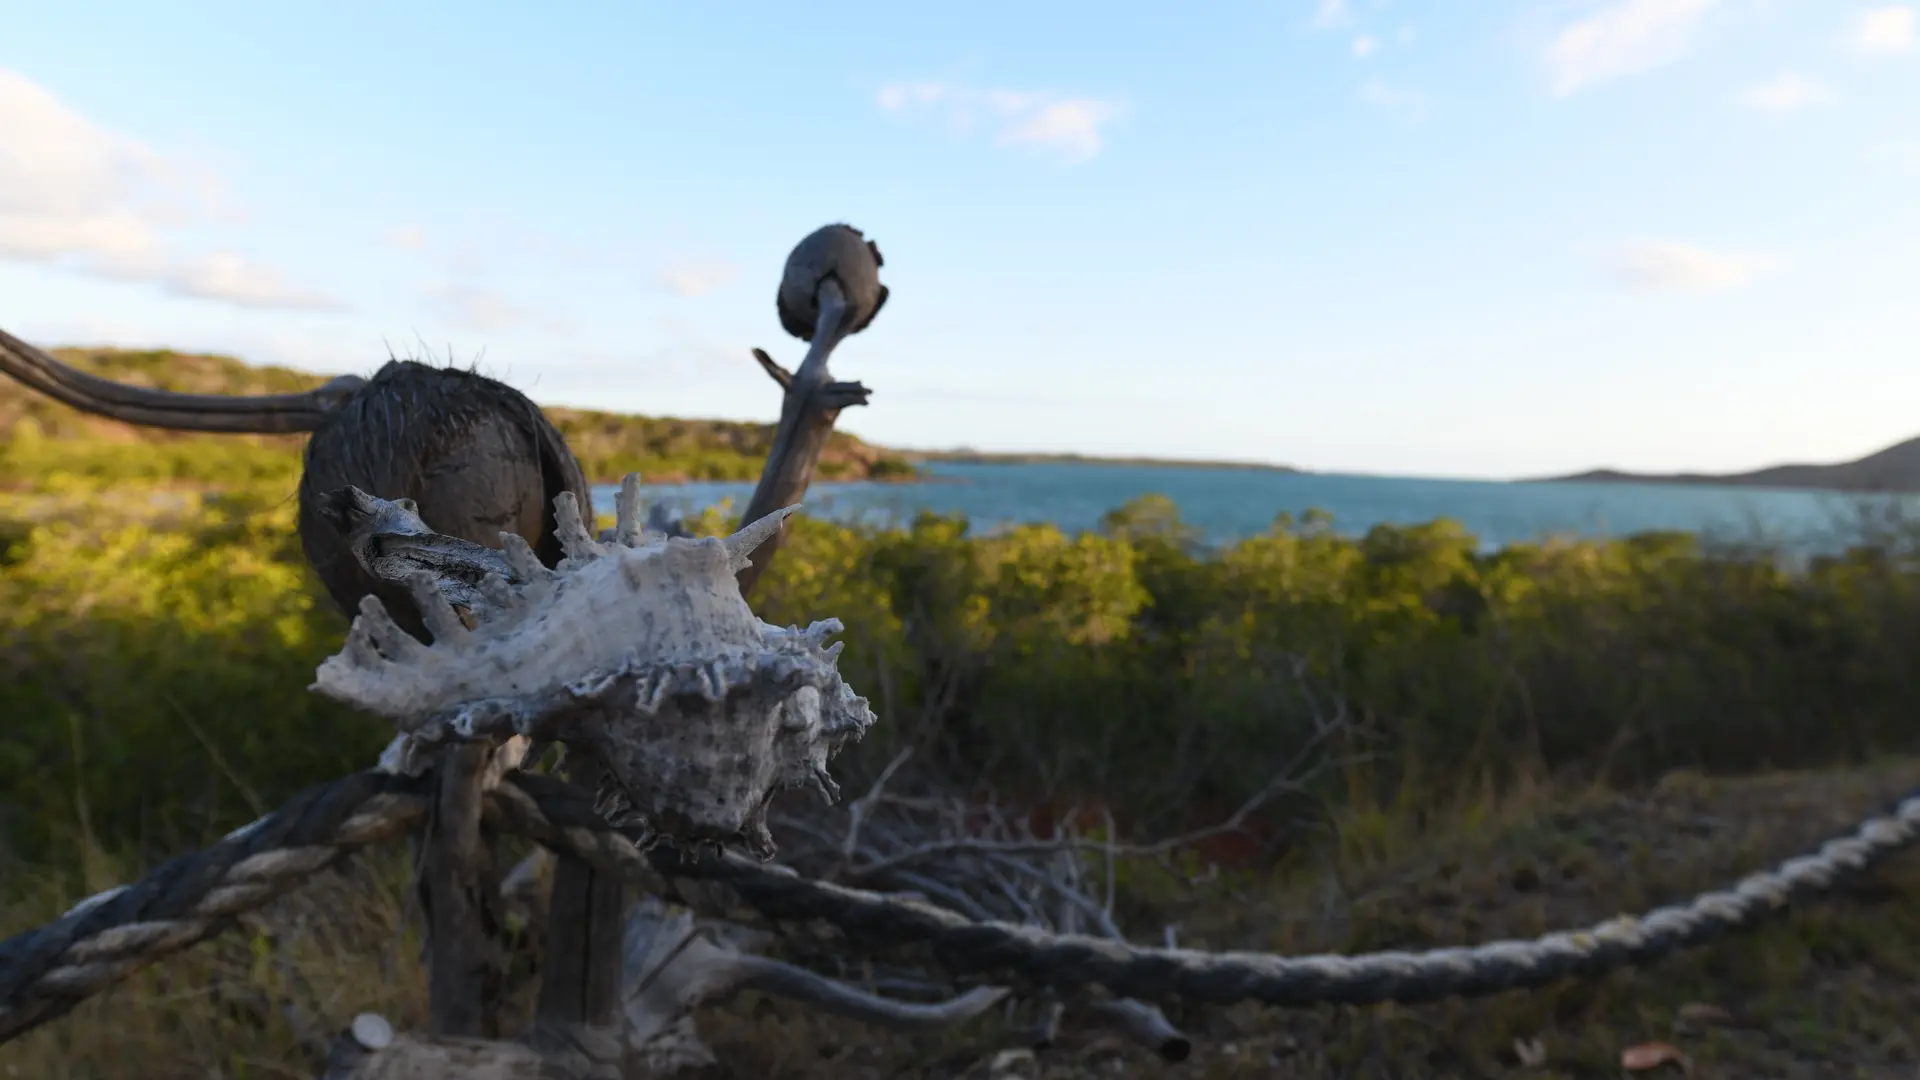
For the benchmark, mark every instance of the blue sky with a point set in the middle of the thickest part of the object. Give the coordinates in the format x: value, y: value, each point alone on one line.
x: 1490, y: 239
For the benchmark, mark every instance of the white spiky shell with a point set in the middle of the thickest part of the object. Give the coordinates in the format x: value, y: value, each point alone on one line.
x: 641, y: 650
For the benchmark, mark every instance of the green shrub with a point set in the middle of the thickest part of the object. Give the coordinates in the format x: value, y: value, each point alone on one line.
x: 155, y: 650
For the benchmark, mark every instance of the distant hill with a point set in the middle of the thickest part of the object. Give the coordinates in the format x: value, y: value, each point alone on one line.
x: 1071, y: 459
x: 1895, y: 469
x: 609, y: 445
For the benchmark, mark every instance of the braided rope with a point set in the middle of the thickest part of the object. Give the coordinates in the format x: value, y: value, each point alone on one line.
x: 1067, y: 961
x: 46, y: 971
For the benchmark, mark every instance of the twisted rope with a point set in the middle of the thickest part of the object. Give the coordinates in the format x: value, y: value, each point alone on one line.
x: 1068, y: 961
x: 46, y: 971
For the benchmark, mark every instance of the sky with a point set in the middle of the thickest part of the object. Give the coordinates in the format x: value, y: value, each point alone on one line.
x: 1499, y: 239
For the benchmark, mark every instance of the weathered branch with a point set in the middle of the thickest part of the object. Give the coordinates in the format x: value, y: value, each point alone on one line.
x: 672, y: 966
x: 831, y: 995
x: 829, y: 291
x: 1145, y: 1025
x: 465, y: 969
x: 264, y: 414
x: 1003, y: 864
x: 580, y: 976
x: 389, y: 539
x: 774, y: 369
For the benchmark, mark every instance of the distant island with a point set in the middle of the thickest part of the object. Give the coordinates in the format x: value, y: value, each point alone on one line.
x: 1893, y: 470
x: 970, y: 456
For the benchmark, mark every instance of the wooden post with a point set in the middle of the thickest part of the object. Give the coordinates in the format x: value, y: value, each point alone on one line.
x: 465, y: 969
x: 580, y: 971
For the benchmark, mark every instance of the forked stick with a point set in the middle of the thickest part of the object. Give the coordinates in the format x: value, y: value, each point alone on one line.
x: 831, y: 290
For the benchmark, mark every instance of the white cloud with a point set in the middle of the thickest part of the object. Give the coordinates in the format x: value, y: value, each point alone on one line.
x: 696, y: 278
x: 1887, y: 29
x: 1666, y: 265
x: 1786, y: 92
x: 1072, y: 127
x: 1328, y: 14
x: 1622, y: 39
x: 223, y: 275
x: 77, y: 195
x: 1379, y: 94
x: 1363, y: 46
x: 899, y: 97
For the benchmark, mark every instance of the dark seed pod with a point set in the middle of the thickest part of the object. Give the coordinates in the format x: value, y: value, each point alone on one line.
x: 840, y: 252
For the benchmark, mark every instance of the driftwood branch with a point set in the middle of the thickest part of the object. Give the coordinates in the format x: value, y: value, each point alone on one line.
x: 465, y: 965
x: 1144, y: 1025
x: 995, y: 864
x: 389, y: 538
x: 146, y: 406
x: 579, y: 981
x: 673, y: 965
x: 670, y: 966
x: 830, y: 291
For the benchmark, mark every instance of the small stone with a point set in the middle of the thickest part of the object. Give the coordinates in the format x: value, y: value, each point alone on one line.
x: 372, y: 1031
x: 1012, y: 1064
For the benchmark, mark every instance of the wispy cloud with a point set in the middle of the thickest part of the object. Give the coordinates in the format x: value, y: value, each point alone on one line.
x: 1623, y: 38
x: 1072, y: 127
x: 1330, y: 14
x: 237, y: 280
x: 696, y: 278
x: 1364, y: 45
x: 486, y: 311
x: 1889, y: 29
x: 1786, y: 92
x: 1382, y: 96
x: 75, y: 194
x: 1670, y: 266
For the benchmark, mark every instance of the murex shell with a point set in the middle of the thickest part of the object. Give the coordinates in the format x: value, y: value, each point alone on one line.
x: 640, y: 650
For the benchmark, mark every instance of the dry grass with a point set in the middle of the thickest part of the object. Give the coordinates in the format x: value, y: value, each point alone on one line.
x: 1829, y: 990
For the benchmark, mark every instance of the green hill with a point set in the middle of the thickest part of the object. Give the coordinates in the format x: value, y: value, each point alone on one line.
x: 1894, y: 469
x: 39, y: 436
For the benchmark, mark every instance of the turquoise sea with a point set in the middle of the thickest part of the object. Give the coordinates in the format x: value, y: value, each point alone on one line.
x: 1227, y: 504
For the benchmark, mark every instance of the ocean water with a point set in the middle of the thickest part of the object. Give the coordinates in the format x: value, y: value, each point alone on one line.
x: 1229, y: 504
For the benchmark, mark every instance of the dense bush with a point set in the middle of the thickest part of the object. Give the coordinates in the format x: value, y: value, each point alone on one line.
x: 155, y: 650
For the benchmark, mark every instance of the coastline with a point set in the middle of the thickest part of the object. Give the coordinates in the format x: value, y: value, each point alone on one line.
x: 970, y: 457
x: 1719, y: 483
